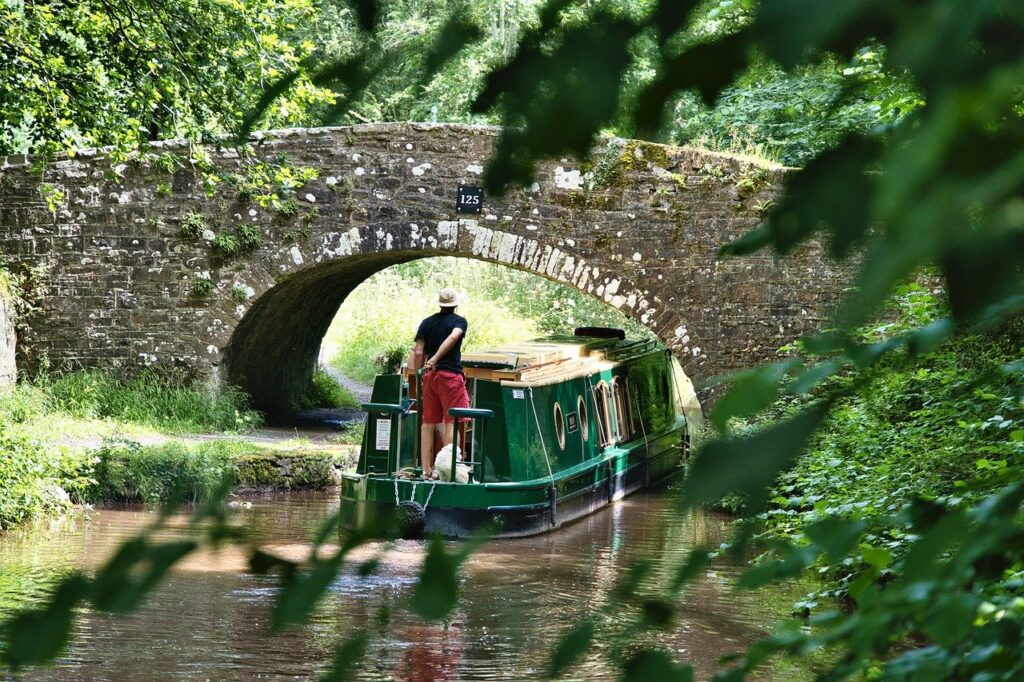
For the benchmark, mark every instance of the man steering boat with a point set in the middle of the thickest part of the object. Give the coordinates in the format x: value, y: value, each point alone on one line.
x: 438, y: 351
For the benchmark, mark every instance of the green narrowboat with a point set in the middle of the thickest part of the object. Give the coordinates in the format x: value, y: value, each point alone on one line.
x: 557, y: 428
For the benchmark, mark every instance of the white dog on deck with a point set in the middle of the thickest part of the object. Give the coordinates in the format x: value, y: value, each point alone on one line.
x: 443, y: 466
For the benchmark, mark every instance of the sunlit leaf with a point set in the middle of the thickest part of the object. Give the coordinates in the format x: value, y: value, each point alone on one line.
x: 347, y: 655
x: 437, y: 588
x: 751, y: 392
x: 835, y: 536
x: 748, y: 464
x: 655, y: 665
x: 570, y: 648
x: 878, y: 558
x: 302, y: 591
x: 38, y: 635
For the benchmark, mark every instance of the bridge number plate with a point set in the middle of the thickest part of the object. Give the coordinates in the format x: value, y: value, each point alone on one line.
x: 469, y: 199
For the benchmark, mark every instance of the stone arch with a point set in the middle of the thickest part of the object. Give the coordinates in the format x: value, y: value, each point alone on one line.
x: 272, y: 350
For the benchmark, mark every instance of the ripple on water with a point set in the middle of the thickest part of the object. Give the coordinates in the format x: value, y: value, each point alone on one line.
x: 210, y: 620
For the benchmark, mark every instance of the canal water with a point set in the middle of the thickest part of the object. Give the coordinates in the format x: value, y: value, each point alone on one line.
x: 209, y: 619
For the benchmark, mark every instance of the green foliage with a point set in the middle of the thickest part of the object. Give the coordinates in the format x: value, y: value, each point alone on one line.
x: 326, y: 391
x: 94, y: 73
x: 273, y: 184
x: 164, y: 399
x: 35, y: 480
x: 239, y: 294
x: 52, y: 195
x: 935, y: 186
x: 225, y: 244
x: 288, y: 208
x: 193, y: 225
x: 202, y: 287
x: 250, y: 237
x: 794, y: 116
x: 167, y: 474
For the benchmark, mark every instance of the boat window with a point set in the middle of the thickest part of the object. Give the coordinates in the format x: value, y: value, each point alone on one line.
x: 604, y: 412
x: 560, y: 426
x: 581, y: 405
x: 623, y: 423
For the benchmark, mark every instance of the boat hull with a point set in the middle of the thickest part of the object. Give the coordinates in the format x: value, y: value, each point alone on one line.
x: 510, y: 509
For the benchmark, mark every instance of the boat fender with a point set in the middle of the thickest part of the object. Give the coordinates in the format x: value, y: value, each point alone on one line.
x: 553, y: 499
x: 411, y: 518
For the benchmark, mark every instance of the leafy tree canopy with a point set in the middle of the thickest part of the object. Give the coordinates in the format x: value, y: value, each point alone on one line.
x: 84, y: 73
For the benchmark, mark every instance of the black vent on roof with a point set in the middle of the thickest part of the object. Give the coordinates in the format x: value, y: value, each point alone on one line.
x: 600, y: 332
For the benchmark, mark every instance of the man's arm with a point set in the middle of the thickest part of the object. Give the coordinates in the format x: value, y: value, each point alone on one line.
x: 446, y: 346
x: 416, y: 355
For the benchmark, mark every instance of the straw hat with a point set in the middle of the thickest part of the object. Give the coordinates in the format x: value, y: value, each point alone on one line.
x: 448, y: 298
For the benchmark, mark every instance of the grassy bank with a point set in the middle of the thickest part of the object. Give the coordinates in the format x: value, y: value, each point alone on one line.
x: 52, y: 428
x: 36, y: 480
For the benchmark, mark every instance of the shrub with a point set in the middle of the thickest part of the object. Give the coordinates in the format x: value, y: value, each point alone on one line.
x: 168, y: 474
x: 35, y: 480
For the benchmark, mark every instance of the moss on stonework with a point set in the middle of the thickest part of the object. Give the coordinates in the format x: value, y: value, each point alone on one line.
x: 289, y: 470
x: 186, y: 472
x: 586, y: 199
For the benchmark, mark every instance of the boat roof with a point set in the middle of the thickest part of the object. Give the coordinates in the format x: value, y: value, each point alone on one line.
x: 552, y: 359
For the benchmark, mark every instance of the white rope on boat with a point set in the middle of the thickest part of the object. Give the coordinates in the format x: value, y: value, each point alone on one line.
x: 412, y: 495
x: 544, y: 447
x: 429, y: 495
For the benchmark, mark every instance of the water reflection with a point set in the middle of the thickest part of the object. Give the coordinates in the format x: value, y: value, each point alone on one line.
x: 210, y: 619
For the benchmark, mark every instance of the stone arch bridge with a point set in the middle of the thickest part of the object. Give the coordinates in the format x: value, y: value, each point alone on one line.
x: 232, y: 263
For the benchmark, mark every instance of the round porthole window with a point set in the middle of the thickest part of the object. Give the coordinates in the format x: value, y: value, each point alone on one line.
x: 584, y: 422
x: 560, y: 426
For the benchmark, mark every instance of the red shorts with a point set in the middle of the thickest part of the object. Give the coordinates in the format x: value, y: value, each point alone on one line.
x: 442, y: 390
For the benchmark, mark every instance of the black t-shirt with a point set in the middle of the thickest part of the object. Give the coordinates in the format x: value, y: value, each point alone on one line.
x: 434, y: 330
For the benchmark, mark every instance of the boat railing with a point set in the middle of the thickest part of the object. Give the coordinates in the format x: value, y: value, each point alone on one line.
x: 461, y: 415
